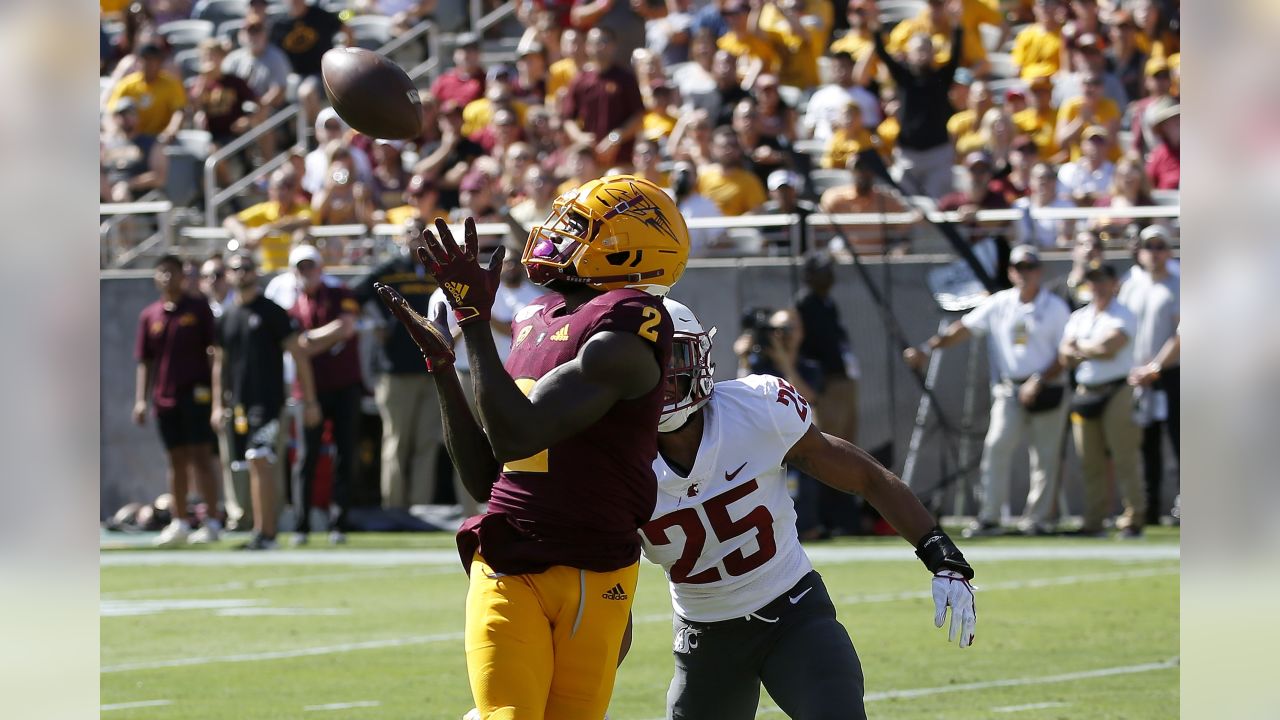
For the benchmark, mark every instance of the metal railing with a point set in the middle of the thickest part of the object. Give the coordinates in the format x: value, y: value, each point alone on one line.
x: 117, y: 213
x: 743, y: 243
x: 213, y: 197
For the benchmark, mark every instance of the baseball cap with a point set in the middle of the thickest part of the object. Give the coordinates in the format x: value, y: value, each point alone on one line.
x: 305, y: 252
x: 125, y: 104
x: 1024, y: 254
x: 327, y: 114
x: 977, y: 157
x: 1156, y: 65
x: 466, y: 40
x: 1155, y: 232
x: 1087, y: 40
x: 1098, y: 270
x: 500, y: 70
x: 1167, y: 111
x: 1095, y: 131
x: 778, y: 178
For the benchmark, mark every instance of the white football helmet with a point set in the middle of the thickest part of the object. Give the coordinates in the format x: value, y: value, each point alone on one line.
x: 690, y: 357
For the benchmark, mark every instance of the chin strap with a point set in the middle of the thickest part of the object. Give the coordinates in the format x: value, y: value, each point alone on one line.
x: 938, y: 553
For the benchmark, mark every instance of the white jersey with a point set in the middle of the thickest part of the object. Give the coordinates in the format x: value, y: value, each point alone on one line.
x: 726, y: 534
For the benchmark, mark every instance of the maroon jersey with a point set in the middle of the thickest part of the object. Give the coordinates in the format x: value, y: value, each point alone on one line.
x: 175, y: 340
x: 339, y: 366
x: 579, y: 502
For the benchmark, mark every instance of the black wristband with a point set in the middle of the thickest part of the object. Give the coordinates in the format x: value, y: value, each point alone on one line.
x: 937, y: 552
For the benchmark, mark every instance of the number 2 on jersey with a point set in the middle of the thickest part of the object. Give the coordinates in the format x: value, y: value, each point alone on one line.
x: 788, y: 395
x: 725, y: 528
x: 649, y: 329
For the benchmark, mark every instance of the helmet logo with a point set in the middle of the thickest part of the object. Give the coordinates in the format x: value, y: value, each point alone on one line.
x: 638, y: 205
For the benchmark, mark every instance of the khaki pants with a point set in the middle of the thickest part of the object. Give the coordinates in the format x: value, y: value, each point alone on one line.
x: 236, y: 497
x: 1010, y: 424
x: 1114, y: 433
x: 837, y: 407
x: 411, y: 434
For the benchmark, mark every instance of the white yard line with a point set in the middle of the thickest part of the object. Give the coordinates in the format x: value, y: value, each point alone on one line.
x: 1029, y: 706
x: 344, y: 706
x: 447, y: 637
x: 283, y: 654
x: 237, y: 585
x: 394, y: 558
x: 132, y: 705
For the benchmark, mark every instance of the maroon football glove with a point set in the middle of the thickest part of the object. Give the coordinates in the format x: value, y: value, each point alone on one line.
x: 432, y: 341
x: 469, y: 288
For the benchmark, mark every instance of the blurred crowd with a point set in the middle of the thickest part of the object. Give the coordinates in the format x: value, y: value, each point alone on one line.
x: 736, y: 106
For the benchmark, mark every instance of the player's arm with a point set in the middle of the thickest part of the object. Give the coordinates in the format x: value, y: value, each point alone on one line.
x: 141, y: 391
x: 463, y: 437
x: 844, y: 466
x: 311, y: 416
x: 215, y: 410
x: 955, y: 333
x: 611, y: 366
x: 847, y: 467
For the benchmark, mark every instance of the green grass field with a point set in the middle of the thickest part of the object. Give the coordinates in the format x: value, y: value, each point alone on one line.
x: 1067, y: 628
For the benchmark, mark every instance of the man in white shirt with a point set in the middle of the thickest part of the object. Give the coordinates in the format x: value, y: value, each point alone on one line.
x: 1088, y: 178
x: 1024, y: 327
x: 1098, y: 343
x: 749, y: 608
x: 829, y: 101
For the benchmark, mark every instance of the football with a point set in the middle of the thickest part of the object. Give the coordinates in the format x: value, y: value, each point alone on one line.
x: 371, y: 93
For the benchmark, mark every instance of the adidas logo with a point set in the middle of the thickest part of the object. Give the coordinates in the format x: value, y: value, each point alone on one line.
x: 561, y: 335
x: 615, y: 593
x: 456, y: 289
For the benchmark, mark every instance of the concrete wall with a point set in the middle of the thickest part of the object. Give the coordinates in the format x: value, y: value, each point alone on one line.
x: 133, y: 465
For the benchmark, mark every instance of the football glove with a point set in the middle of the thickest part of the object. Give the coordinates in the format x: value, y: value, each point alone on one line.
x: 432, y: 341
x: 469, y: 288
x: 951, y: 589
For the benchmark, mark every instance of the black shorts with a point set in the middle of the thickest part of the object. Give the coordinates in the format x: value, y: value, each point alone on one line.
x: 255, y: 436
x: 188, y: 422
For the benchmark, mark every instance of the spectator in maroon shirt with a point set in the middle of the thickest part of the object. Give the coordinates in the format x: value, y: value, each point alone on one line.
x: 224, y: 105
x: 464, y: 82
x: 988, y: 238
x: 603, y: 107
x: 327, y: 317
x: 1164, y: 167
x: 172, y: 350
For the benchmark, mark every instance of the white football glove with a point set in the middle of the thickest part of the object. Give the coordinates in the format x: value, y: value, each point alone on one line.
x: 951, y: 589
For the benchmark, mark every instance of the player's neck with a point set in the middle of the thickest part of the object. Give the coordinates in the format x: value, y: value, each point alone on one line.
x: 576, y: 297
x: 680, y: 447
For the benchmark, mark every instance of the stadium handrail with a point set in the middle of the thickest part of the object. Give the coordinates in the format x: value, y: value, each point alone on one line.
x: 214, y: 197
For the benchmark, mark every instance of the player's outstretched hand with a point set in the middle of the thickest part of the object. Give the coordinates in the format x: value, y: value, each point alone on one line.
x: 469, y: 287
x: 434, y: 344
x: 951, y: 589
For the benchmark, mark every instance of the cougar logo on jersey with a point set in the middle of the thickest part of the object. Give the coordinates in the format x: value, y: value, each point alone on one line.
x: 686, y: 639
x: 693, y: 490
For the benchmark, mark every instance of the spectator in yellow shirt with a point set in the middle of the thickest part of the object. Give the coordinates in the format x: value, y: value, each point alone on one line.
x: 849, y: 139
x: 933, y: 21
x: 1037, y: 50
x: 758, y: 51
x: 160, y: 99
x: 420, y: 203
x: 562, y: 72
x: 963, y: 127
x: 801, y: 35
x: 270, y: 227
x: 887, y: 131
x: 498, y: 92
x: 660, y: 115
x: 727, y: 182
x: 1091, y: 108
x: 859, y: 43
x: 1039, y: 121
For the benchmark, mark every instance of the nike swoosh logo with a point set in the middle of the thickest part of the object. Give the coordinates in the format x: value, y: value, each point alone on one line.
x: 729, y: 476
x: 799, y: 597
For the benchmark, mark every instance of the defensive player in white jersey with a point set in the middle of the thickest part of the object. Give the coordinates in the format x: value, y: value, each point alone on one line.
x: 749, y: 607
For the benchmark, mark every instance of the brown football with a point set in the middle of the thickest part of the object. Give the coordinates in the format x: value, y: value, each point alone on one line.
x: 371, y: 93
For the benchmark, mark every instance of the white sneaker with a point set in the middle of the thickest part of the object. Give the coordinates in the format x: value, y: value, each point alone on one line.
x: 174, y: 534
x: 210, y: 532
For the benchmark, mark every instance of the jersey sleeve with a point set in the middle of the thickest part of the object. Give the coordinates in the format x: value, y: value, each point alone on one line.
x: 140, y: 345
x: 781, y: 407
